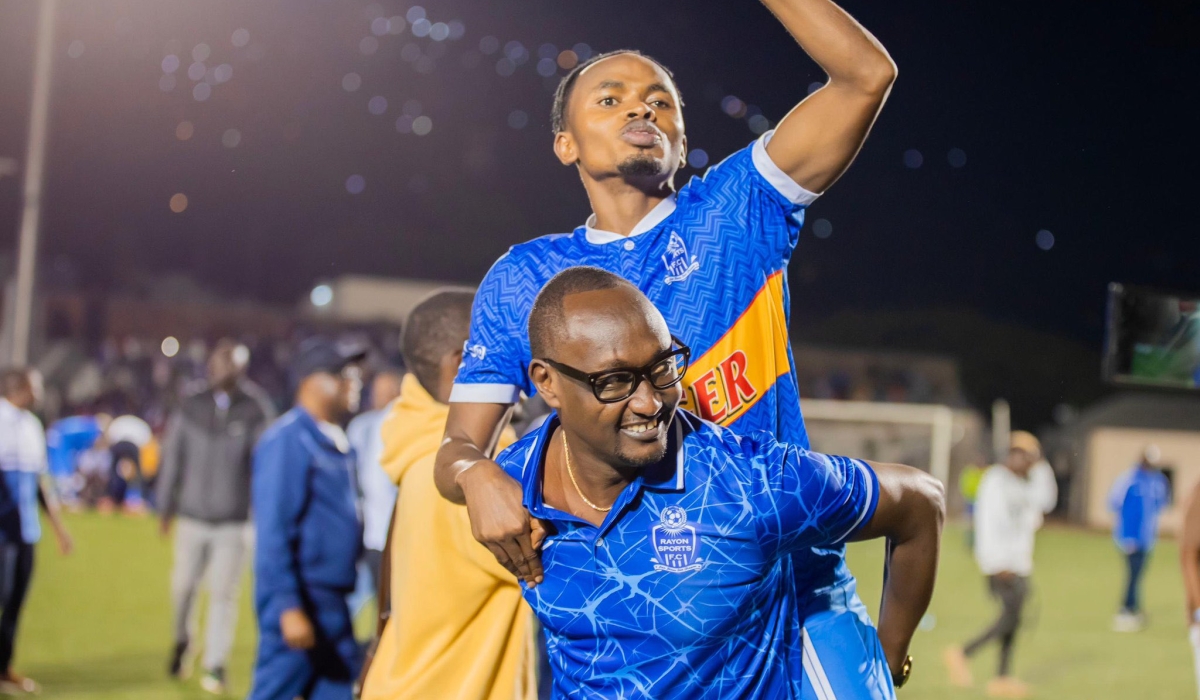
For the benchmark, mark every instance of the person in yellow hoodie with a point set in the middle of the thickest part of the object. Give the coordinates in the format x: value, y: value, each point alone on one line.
x: 459, y: 628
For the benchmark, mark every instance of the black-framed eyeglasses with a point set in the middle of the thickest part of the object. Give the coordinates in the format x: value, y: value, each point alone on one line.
x: 613, y: 385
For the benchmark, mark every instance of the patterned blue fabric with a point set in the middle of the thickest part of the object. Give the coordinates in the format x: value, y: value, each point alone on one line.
x: 684, y: 591
x: 715, y: 266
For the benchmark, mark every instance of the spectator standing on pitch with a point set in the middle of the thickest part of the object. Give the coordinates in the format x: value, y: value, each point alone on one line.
x: 376, y: 489
x: 204, y: 487
x: 26, y: 482
x: 1189, y: 560
x: 1009, y: 507
x: 1137, y: 498
x: 458, y: 628
x: 309, y: 530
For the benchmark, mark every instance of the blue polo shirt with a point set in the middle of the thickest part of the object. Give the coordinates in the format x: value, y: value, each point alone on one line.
x: 685, y: 590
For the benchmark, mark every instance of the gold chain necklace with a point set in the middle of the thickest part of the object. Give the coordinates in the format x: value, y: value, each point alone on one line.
x: 570, y: 473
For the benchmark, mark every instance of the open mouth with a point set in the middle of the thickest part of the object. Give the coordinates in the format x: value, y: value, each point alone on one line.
x: 644, y: 431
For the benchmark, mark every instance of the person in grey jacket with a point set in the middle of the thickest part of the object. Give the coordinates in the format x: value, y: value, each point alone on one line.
x: 204, y: 484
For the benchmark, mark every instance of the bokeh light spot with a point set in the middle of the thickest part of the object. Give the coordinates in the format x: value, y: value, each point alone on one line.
x: 396, y: 25
x: 733, y: 106
x: 201, y: 52
x: 355, y: 184
x: 166, y: 83
x: 421, y: 27
x: 822, y: 228
x: 957, y: 157
x: 178, y: 202
x: 516, y: 52
x: 913, y: 159
x: 381, y: 26
x: 75, y: 49
x: 404, y: 124
x: 1044, y: 239
x: 368, y: 45
x: 196, y: 70
x: 505, y: 67
x: 377, y: 105
x: 440, y: 31
x: 321, y: 295
x: 582, y: 50
x: 170, y: 346
x: 231, y: 138
x: 547, y: 67
x: 518, y: 119
x: 184, y: 130
x: 415, y: 13
x: 170, y: 63
x: 240, y: 37
x: 223, y: 73
x: 758, y: 124
x: 697, y: 158
x: 351, y: 82
x: 201, y: 92
x: 457, y: 30
x: 568, y: 59
x: 422, y: 125
x: 547, y: 51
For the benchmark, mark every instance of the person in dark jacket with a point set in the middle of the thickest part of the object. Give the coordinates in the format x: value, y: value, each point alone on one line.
x: 204, y: 485
x: 309, y: 534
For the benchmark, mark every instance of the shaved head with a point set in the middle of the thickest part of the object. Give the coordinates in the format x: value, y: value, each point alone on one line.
x: 549, y: 322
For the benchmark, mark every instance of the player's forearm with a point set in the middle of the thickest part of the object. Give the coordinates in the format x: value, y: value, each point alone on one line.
x: 912, y: 572
x: 472, y: 433
x: 455, y: 457
x: 847, y: 52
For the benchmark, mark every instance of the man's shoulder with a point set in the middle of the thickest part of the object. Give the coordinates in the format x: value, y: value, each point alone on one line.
x: 286, y: 427
x: 537, y: 259
x: 517, y: 458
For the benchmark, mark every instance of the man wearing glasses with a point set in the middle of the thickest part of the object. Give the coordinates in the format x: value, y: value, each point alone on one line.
x: 666, y: 566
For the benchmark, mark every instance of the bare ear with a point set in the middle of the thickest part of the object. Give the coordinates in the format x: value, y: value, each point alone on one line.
x: 564, y: 148
x: 683, y: 154
x: 543, y: 381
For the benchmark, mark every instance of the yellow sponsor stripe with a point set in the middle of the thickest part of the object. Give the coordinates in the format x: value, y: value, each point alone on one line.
x: 738, y: 369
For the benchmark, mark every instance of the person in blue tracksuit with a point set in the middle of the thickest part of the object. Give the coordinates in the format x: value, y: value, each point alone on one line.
x: 309, y: 534
x: 1137, y: 498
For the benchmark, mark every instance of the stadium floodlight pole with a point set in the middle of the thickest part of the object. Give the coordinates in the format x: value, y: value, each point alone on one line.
x: 35, y: 159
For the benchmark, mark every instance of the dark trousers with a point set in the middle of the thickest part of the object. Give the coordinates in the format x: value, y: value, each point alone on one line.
x: 16, y: 568
x: 325, y: 672
x: 1011, y: 592
x: 1136, y: 561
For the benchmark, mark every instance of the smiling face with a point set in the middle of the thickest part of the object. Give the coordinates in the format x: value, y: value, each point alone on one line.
x: 610, y: 329
x: 624, y: 119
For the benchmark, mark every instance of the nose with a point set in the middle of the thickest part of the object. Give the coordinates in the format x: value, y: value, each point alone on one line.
x: 642, y: 111
x: 646, y: 400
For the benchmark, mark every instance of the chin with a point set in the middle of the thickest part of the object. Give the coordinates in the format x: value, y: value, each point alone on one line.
x: 642, y: 165
x: 642, y: 456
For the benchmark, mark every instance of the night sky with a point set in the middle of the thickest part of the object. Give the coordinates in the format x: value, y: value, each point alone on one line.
x: 1076, y: 118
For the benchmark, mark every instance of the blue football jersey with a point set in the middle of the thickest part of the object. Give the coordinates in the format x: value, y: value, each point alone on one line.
x: 685, y: 591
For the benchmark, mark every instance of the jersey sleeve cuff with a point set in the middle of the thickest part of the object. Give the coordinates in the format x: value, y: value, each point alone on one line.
x: 485, y: 393
x: 781, y: 181
x: 870, y: 500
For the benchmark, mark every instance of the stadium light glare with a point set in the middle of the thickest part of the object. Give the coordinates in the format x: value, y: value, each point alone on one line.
x: 170, y: 346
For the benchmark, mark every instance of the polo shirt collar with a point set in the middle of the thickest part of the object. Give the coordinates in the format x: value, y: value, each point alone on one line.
x: 653, y: 218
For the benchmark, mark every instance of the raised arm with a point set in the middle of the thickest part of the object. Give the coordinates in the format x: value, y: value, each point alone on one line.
x: 465, y: 473
x: 1189, y: 555
x: 820, y: 137
x: 910, y: 513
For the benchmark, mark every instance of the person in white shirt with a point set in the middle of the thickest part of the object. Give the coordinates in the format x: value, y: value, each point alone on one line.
x: 24, y: 483
x: 1012, y: 499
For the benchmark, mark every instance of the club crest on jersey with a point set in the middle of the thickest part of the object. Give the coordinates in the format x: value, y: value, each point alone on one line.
x: 477, y: 351
x: 679, y: 266
x: 676, y: 545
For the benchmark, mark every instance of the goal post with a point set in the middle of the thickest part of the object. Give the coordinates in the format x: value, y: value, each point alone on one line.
x: 939, y: 418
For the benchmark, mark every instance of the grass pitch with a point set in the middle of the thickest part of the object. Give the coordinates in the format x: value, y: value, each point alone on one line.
x: 97, y: 624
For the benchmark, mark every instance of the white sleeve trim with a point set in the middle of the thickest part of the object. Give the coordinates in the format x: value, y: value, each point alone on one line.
x: 870, y: 486
x: 780, y: 180
x: 485, y: 393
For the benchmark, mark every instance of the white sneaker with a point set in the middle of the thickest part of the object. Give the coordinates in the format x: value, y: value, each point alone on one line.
x: 1128, y: 622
